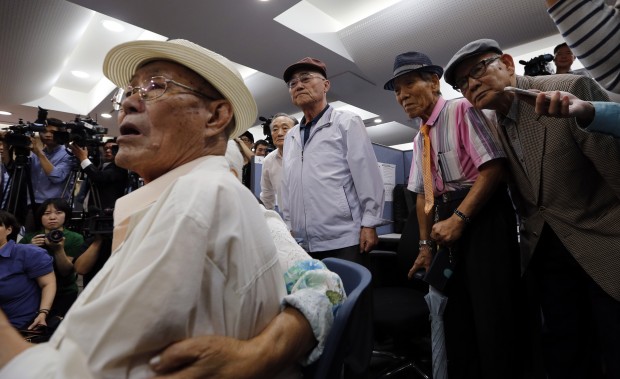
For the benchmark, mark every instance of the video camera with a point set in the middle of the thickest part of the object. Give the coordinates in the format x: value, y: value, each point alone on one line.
x: 538, y: 66
x: 100, y: 222
x: 20, y: 133
x: 84, y: 132
x: 266, y: 129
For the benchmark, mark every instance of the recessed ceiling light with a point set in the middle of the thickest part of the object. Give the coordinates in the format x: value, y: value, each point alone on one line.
x: 5, y: 113
x: 263, y: 0
x: 378, y: 120
x: 80, y: 74
x: 106, y: 115
x: 112, y: 26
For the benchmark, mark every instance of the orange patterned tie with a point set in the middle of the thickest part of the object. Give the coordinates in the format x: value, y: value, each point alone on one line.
x: 427, y: 174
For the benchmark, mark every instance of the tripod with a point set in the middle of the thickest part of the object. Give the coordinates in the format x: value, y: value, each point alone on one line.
x: 19, y: 182
x: 70, y: 186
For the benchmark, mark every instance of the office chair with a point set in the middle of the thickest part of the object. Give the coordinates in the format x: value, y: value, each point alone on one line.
x: 349, y: 345
x: 399, y: 308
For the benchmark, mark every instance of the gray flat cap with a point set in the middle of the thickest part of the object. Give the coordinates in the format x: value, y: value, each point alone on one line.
x: 473, y: 48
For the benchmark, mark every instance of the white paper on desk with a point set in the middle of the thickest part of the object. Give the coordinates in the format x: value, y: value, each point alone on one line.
x: 388, y: 173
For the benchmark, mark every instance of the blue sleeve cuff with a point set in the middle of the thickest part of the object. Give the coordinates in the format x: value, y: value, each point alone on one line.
x: 606, y: 118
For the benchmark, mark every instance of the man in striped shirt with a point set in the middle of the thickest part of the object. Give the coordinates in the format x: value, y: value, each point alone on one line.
x: 472, y: 220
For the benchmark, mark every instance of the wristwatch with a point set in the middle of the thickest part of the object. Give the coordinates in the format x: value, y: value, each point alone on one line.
x: 429, y: 243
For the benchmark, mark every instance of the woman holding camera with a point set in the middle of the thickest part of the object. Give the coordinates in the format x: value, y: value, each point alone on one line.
x: 27, y: 284
x: 63, y: 245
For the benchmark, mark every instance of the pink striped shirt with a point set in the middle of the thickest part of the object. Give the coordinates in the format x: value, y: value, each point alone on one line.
x: 461, y: 141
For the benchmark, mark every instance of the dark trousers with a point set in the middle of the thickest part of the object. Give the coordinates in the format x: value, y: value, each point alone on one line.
x: 481, y: 320
x: 351, y: 253
x: 581, y: 323
x: 62, y: 303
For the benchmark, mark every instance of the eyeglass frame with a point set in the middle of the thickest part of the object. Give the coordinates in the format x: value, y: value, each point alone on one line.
x: 306, y: 78
x: 129, y: 90
x: 484, y: 67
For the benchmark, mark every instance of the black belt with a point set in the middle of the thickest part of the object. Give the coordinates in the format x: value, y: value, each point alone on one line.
x: 451, y: 196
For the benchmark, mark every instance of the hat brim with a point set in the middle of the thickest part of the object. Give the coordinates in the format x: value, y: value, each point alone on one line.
x: 301, y: 66
x: 122, y: 61
x: 389, y: 85
x: 472, y: 49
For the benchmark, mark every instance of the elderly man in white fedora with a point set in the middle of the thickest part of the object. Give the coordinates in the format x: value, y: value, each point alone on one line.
x: 465, y: 219
x: 192, y: 254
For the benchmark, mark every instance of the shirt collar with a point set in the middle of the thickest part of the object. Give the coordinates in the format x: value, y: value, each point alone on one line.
x: 52, y: 151
x: 149, y: 193
x: 146, y: 195
x: 5, y: 251
x: 441, y: 102
x: 316, y: 119
x: 512, y: 113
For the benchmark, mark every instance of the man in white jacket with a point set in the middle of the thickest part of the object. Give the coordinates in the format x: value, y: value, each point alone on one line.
x: 332, y: 190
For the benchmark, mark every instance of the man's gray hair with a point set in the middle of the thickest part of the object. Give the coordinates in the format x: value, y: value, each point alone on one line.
x: 295, y: 122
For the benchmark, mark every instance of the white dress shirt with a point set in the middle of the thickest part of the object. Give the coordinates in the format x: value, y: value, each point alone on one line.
x: 271, y: 177
x: 193, y: 256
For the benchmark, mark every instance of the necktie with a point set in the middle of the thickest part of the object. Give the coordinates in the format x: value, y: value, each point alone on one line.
x: 427, y: 174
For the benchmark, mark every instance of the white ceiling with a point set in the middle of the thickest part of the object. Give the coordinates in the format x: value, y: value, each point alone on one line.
x: 43, y: 40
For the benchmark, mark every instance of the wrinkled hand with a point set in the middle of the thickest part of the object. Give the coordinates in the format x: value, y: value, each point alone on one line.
x: 448, y: 231
x: 368, y: 239
x: 40, y: 320
x: 423, y: 261
x: 563, y: 105
x: 206, y: 357
x: 80, y: 152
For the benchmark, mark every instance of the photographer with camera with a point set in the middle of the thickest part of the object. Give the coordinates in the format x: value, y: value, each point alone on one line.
x: 50, y: 166
x: 104, y: 185
x: 63, y: 245
x: 107, y: 183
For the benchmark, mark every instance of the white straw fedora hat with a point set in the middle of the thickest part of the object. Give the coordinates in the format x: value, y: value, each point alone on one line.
x: 122, y: 61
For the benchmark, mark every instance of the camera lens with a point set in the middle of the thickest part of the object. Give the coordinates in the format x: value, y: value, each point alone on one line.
x: 55, y: 235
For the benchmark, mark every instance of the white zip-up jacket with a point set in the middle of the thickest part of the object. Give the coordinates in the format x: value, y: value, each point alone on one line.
x: 331, y: 187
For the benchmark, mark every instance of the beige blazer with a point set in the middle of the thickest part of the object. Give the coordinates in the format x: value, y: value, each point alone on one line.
x: 569, y: 179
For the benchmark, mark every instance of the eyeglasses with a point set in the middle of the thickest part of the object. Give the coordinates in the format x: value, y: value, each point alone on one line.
x: 151, y: 89
x: 304, y: 78
x: 476, y: 72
